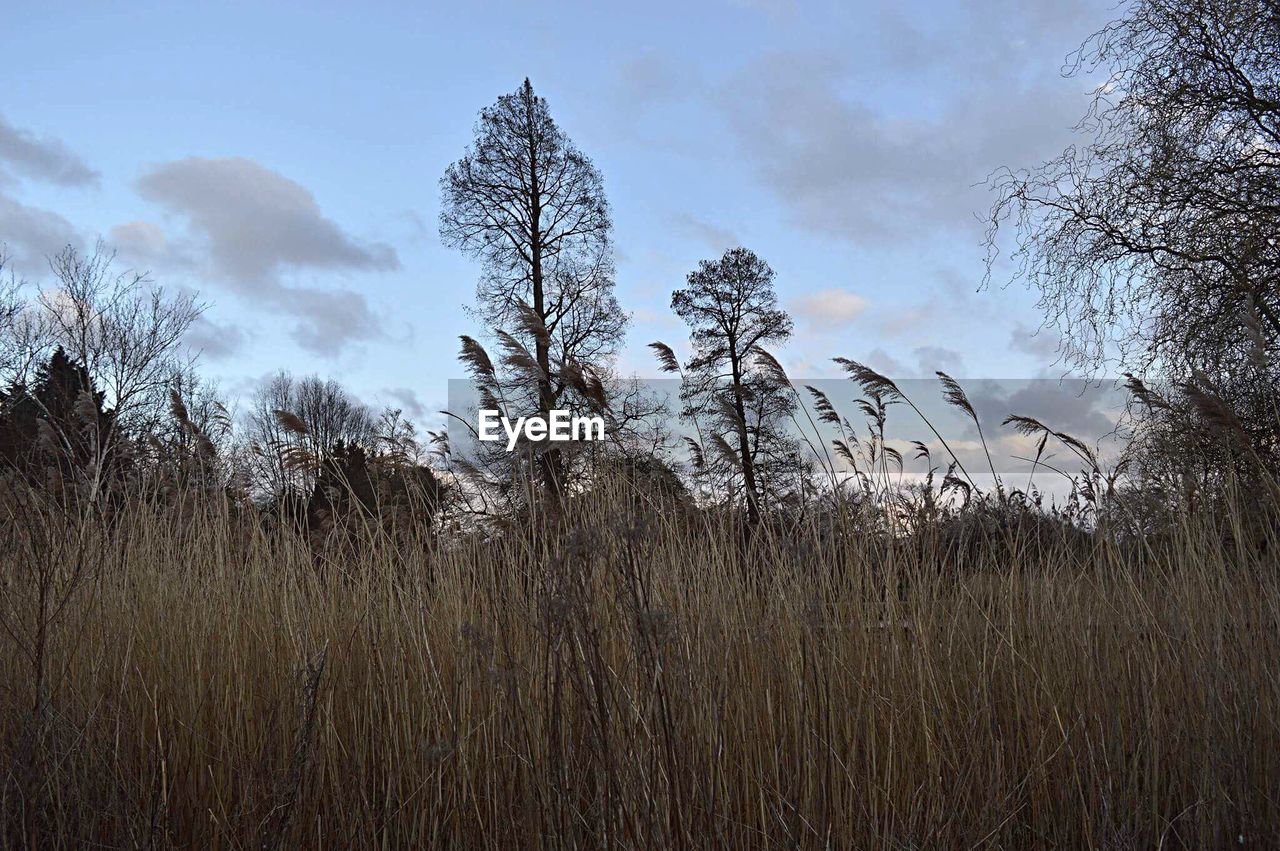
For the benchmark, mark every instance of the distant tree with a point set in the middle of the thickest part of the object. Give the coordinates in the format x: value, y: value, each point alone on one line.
x: 382, y: 487
x: 410, y: 494
x: 395, y: 436
x: 58, y: 426
x: 732, y: 311
x: 194, y: 447
x: 343, y: 487
x: 1155, y: 246
x: 650, y: 479
x: 532, y: 208
x: 124, y: 330
x: 293, y: 424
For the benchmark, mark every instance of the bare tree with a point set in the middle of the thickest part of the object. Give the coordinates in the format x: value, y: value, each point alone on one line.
x: 293, y: 424
x: 125, y: 331
x: 531, y: 207
x: 122, y: 334
x: 195, y: 443
x: 1156, y: 241
x: 732, y: 311
x: 1155, y: 245
x: 25, y: 332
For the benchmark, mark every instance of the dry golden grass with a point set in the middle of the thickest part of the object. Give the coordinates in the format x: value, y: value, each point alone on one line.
x: 637, y: 686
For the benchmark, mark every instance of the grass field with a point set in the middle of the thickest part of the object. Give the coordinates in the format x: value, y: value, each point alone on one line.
x: 639, y: 683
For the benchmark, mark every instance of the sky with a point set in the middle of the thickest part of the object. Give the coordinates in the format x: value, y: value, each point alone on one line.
x: 283, y: 159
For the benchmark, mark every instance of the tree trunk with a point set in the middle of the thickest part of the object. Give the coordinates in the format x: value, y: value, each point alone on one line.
x: 744, y: 446
x: 548, y: 462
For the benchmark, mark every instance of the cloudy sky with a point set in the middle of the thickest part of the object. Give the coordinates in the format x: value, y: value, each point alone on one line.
x: 283, y: 160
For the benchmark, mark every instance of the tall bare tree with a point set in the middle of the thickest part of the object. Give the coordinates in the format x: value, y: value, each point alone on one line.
x: 1156, y: 245
x: 531, y: 206
x: 1159, y: 235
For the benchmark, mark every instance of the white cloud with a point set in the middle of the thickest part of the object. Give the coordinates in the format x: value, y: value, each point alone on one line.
x: 1041, y: 343
x: 829, y: 308
x: 143, y: 239
x: 407, y: 400
x: 42, y: 158
x: 30, y: 234
x: 712, y: 236
x: 256, y: 221
x: 252, y: 228
x: 931, y: 359
x: 215, y: 340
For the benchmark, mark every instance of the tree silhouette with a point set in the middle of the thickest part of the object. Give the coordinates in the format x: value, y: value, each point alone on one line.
x: 1157, y: 243
x: 531, y: 206
x: 285, y: 452
x: 59, y: 424
x: 732, y: 311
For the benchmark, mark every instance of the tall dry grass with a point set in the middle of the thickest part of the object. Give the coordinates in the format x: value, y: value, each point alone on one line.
x: 637, y: 683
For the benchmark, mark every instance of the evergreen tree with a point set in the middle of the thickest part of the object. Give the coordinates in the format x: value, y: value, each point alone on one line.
x: 732, y: 311
x: 59, y: 422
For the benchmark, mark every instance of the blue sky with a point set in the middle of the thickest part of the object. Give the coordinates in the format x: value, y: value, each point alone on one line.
x: 283, y: 159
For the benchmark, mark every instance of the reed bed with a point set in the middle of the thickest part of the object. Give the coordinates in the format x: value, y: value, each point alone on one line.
x: 640, y: 681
